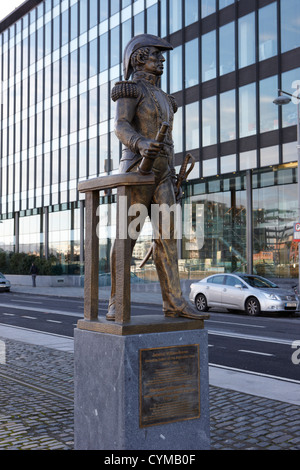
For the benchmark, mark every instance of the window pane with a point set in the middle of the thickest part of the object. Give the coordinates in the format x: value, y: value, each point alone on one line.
x: 269, y: 156
x: 139, y: 23
x: 83, y: 63
x: 228, y: 163
x: 115, y: 46
x: 289, y: 83
x: 267, y: 31
x: 48, y: 35
x: 104, y: 10
x: 152, y: 15
x: 247, y: 104
x: 290, y: 21
x: 191, y: 11
x: 227, y: 48
x: 176, y: 69
x: 248, y: 160
x: 177, y: 131
x: 246, y: 40
x: 65, y: 72
x: 103, y: 53
x: 40, y: 43
x: 114, y: 6
x: 56, y: 33
x: 209, y: 56
x: 209, y: 121
x: 175, y: 15
x: 207, y: 7
x: 268, y: 111
x: 93, y: 105
x: 83, y: 15
x: 94, y: 12
x: 93, y: 57
x: 74, y: 21
x: 225, y: 3
x: 191, y: 63
x: 227, y: 115
x: 65, y: 27
x: 73, y: 71
x: 192, y: 126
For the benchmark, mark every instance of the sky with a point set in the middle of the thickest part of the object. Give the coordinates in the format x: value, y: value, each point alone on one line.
x: 7, y: 6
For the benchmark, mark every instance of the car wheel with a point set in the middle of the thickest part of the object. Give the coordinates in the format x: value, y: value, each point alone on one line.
x: 201, y: 303
x: 252, y: 306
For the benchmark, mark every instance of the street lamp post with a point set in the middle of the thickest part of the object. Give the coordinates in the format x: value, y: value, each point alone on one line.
x: 282, y: 100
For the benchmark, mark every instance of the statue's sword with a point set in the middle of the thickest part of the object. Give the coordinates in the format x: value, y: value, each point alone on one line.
x: 182, y: 176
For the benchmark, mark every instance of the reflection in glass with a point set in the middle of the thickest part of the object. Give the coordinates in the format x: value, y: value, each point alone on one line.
x: 227, y: 48
x: 139, y: 23
x: 209, y: 56
x: 209, y: 121
x: 228, y: 163
x: 191, y: 63
x: 93, y: 57
x: 74, y: 21
x: 207, y: 7
x: 269, y: 156
x: 104, y: 10
x: 114, y: 47
x: 225, y: 3
x: 246, y: 26
x: 275, y: 210
x: 192, y: 126
x: 247, y: 105
x: 227, y: 116
x: 191, y: 11
x: 83, y: 16
x: 94, y: 12
x: 267, y: 31
x: 65, y: 27
x: 126, y: 33
x: 248, y: 160
x: 290, y: 21
x: 177, y: 131
x: 83, y: 63
x: 73, y: 68
x: 176, y: 69
x: 289, y: 152
x: 56, y: 32
x: 210, y: 167
x: 290, y: 80
x: 175, y: 16
x: 152, y: 24
x: 268, y: 111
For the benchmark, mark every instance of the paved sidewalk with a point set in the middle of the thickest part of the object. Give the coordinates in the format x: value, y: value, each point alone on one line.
x: 36, y: 399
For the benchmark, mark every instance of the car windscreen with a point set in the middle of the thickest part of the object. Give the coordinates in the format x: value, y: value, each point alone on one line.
x: 255, y: 281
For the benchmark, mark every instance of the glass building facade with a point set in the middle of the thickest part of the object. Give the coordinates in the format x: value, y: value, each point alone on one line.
x: 58, y: 63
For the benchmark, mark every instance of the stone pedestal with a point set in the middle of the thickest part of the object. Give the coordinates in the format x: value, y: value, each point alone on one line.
x: 142, y: 391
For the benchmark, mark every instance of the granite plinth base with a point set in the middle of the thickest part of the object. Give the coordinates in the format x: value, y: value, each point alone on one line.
x: 114, y: 410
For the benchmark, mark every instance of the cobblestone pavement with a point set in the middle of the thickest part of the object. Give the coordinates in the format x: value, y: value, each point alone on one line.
x: 36, y: 407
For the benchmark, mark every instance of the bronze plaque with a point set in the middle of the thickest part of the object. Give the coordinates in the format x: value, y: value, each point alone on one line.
x: 169, y: 384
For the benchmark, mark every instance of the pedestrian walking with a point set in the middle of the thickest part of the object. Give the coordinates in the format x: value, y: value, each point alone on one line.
x: 33, y: 272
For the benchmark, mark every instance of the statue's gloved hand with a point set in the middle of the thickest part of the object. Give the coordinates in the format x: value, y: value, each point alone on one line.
x: 150, y: 148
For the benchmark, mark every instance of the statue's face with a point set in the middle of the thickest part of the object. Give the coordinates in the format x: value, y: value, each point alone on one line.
x: 155, y: 62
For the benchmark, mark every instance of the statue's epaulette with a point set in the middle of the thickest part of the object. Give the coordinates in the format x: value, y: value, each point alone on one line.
x: 126, y: 89
x: 173, y: 103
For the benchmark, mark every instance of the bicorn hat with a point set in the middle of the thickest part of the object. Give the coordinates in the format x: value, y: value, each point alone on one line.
x: 142, y: 40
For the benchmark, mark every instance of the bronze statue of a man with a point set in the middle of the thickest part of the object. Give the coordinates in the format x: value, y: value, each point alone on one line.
x: 141, y: 109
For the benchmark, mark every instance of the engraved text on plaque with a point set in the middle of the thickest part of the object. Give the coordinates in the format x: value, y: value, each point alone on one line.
x: 169, y: 384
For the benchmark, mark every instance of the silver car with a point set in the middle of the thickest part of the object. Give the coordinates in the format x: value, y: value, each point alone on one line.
x: 250, y: 293
x: 4, y: 283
